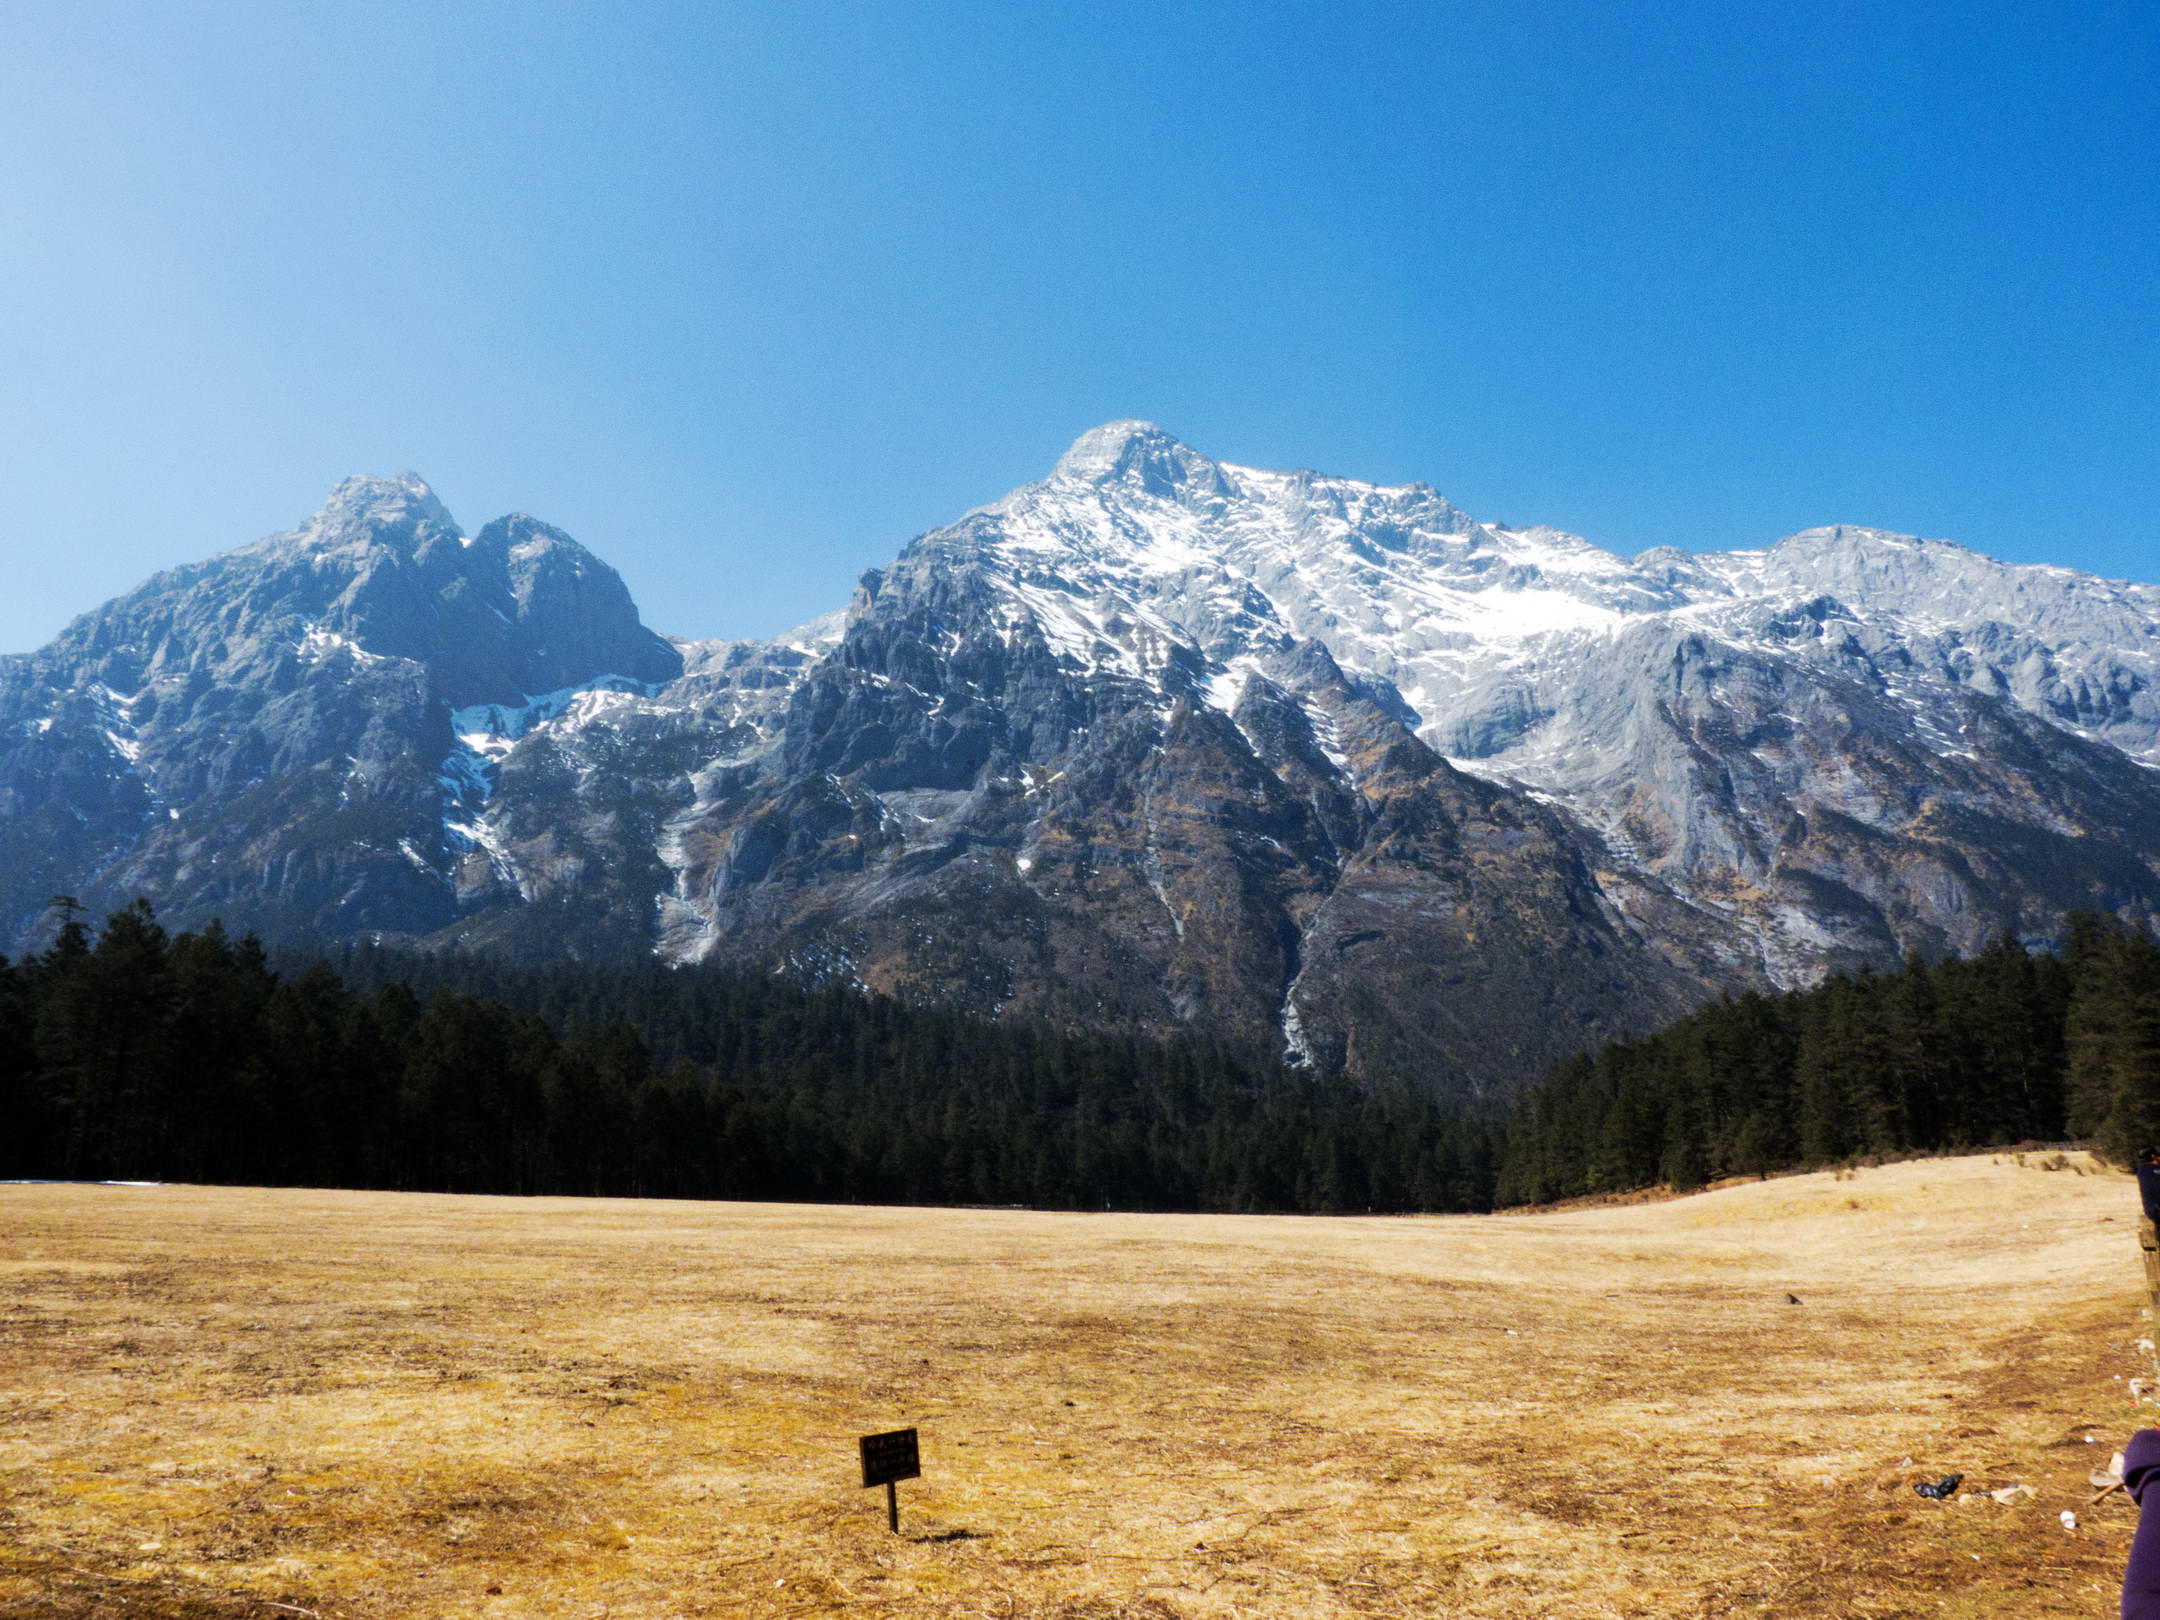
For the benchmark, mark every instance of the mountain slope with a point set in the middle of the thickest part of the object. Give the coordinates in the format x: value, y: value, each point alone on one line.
x: 263, y: 734
x: 1327, y: 767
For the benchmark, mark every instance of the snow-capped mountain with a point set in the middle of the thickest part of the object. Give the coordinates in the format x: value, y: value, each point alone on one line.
x: 1322, y: 765
x: 1714, y: 719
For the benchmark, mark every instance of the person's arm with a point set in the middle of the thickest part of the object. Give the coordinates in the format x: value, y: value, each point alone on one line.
x: 2141, y: 1581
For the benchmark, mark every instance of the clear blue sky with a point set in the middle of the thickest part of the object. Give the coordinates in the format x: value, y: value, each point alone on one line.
x: 744, y: 296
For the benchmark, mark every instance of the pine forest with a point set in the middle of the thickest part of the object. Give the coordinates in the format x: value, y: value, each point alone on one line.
x: 127, y: 1052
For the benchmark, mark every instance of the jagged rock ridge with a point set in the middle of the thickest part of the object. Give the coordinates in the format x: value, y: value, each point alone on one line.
x: 1315, y: 763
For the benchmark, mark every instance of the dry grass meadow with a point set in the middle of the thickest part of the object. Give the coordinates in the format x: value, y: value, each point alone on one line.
x: 224, y: 1403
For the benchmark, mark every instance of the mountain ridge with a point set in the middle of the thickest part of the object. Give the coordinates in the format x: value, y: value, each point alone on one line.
x: 1331, y: 768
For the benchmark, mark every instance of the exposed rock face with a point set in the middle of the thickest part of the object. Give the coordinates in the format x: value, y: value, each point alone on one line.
x: 260, y: 735
x: 1320, y: 765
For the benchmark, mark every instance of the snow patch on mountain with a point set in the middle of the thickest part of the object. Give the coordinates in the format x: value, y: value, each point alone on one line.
x: 1492, y: 634
x: 486, y: 734
x: 317, y: 644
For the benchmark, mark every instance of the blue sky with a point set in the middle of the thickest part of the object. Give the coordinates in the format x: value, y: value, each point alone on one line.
x: 744, y: 296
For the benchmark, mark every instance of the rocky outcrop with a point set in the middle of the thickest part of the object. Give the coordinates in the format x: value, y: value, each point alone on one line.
x: 261, y: 735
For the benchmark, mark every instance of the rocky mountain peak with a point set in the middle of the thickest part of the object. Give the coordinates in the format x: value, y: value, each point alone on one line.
x: 1142, y: 454
x: 523, y: 541
x: 403, y: 503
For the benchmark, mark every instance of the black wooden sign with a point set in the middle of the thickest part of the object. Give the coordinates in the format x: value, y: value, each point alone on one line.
x: 886, y: 1460
x: 889, y: 1457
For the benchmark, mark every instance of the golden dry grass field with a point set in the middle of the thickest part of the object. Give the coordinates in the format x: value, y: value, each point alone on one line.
x: 226, y: 1403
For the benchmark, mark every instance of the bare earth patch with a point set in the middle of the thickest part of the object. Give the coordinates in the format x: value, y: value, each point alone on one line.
x: 237, y: 1404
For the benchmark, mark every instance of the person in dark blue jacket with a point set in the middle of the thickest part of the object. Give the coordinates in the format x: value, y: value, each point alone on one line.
x: 2148, y: 1180
x: 2141, y: 1581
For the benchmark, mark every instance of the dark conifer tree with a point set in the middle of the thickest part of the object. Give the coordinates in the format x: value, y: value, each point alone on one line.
x: 2005, y: 1047
x: 125, y: 1052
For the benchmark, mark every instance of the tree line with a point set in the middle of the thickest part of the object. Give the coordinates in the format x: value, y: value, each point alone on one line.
x: 127, y: 1052
x: 2006, y: 1046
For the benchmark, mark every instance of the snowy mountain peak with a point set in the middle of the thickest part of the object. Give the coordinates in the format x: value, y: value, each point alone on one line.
x: 1484, y: 628
x: 1140, y: 453
x: 1100, y: 449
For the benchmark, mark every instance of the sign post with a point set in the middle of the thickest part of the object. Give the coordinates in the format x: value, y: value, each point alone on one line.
x: 886, y: 1460
x: 2147, y: 1171
x: 2149, y: 1241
